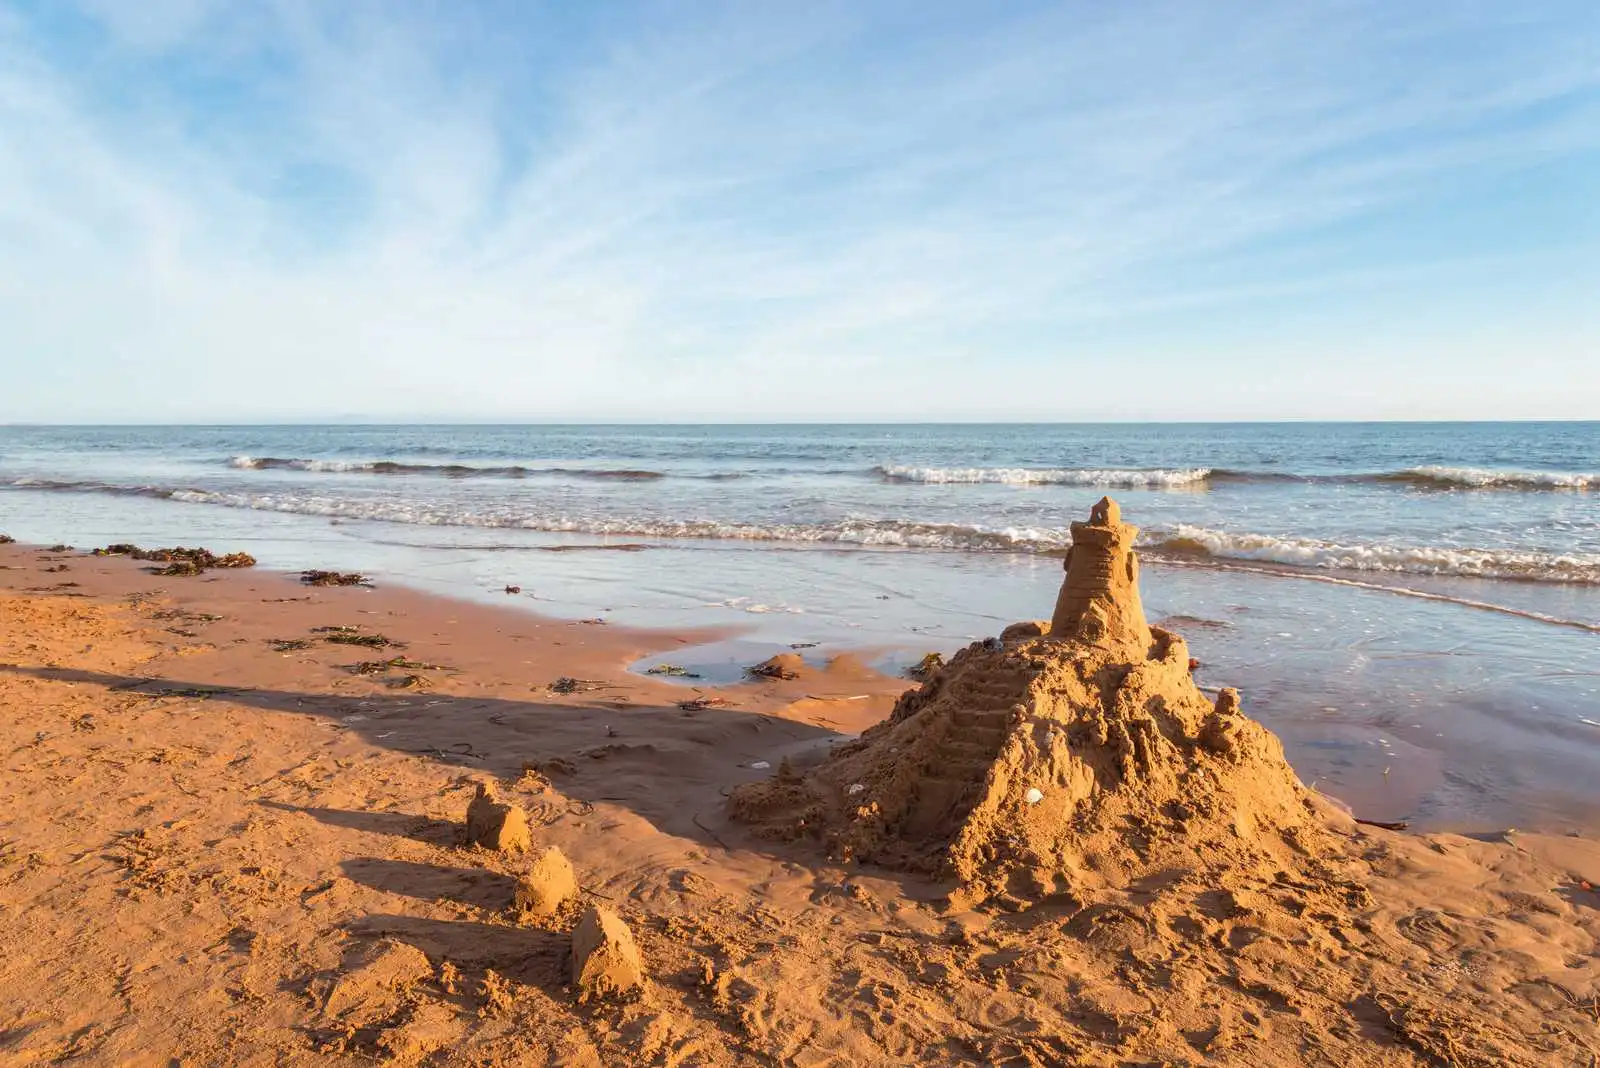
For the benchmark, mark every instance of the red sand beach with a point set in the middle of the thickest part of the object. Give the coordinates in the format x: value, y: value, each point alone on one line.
x: 221, y: 842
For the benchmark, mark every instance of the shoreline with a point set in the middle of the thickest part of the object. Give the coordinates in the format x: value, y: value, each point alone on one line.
x: 203, y: 836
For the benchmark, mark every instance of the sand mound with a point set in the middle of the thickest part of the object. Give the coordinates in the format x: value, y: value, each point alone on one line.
x: 548, y: 884
x: 605, y: 960
x: 380, y: 978
x: 1063, y: 758
x: 494, y: 824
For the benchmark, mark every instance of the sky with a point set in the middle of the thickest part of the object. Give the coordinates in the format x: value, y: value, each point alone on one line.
x: 748, y: 211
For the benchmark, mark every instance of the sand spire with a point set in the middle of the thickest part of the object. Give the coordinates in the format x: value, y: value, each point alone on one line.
x: 1055, y: 762
x: 1099, y: 599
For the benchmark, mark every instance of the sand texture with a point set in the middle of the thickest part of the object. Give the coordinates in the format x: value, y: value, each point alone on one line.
x: 228, y: 837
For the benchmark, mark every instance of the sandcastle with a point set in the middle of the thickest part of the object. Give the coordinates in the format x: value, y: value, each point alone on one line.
x: 1059, y: 758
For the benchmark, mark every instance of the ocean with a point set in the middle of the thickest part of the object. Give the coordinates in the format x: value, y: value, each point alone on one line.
x: 1413, y: 608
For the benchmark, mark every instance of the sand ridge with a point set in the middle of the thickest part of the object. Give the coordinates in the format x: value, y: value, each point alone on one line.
x: 204, y: 838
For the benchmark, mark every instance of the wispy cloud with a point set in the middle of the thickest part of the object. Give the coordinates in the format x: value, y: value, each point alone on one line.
x: 215, y: 210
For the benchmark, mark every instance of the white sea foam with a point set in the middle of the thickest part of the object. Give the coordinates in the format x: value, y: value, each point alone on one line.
x: 253, y: 463
x: 1064, y: 476
x: 1417, y: 560
x: 1481, y: 478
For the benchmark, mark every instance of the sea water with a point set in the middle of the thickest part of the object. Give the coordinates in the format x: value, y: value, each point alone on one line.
x: 1413, y: 608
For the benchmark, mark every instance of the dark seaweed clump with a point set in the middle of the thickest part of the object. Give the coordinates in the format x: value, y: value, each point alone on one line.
x: 7, y: 539
x: 377, y: 667
x: 927, y: 667
x: 179, y: 560
x: 333, y: 578
x: 352, y: 636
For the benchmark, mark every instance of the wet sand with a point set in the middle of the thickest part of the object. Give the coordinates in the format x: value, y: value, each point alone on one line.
x: 202, y: 834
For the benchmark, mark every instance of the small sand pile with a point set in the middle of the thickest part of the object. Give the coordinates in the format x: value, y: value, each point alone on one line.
x: 1061, y: 758
x: 494, y: 824
x: 605, y: 960
x: 548, y: 884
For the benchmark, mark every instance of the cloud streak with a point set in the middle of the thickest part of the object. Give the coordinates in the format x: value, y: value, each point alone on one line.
x: 308, y: 210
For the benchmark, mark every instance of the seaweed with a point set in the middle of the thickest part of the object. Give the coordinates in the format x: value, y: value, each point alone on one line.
x: 570, y: 685
x: 347, y: 636
x: 334, y: 578
x: 700, y: 704
x: 7, y: 539
x: 290, y: 645
x: 179, y: 560
x: 671, y: 669
x: 377, y: 667
x: 927, y: 667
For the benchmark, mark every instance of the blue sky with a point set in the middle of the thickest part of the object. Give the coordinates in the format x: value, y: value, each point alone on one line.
x: 231, y: 211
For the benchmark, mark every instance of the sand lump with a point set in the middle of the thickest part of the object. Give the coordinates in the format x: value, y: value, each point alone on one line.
x: 494, y: 824
x: 548, y: 884
x: 1060, y: 758
x: 605, y: 960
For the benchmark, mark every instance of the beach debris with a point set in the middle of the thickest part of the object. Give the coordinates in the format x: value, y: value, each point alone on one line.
x: 673, y: 670
x: 395, y: 663
x: 783, y: 666
x: 333, y: 578
x: 595, y: 622
x: 7, y: 539
x: 761, y: 765
x: 605, y: 960
x: 803, y: 645
x: 927, y: 667
x: 700, y: 704
x: 180, y: 561
x: 1104, y: 708
x: 494, y: 824
x: 570, y: 685
x: 513, y: 589
x: 548, y: 884
x: 352, y: 636
x: 59, y: 549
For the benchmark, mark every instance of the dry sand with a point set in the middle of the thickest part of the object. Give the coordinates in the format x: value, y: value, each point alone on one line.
x: 216, y: 851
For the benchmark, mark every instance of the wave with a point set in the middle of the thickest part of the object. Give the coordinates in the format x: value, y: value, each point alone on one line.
x: 1517, y: 564
x: 1435, y: 477
x: 1482, y: 478
x: 1066, y: 476
x: 1183, y: 543
x: 159, y: 492
x: 396, y: 467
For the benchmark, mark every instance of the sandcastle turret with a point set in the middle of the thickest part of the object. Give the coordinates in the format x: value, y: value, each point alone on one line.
x: 1099, y: 598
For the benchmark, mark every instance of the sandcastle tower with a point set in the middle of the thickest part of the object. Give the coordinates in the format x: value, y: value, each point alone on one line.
x: 1054, y: 760
x: 1099, y: 599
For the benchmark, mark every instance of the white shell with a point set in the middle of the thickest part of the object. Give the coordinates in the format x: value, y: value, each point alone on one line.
x: 761, y: 765
x: 1033, y: 796
x: 855, y: 788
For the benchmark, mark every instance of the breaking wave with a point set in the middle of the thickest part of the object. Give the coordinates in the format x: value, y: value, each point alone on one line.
x: 1069, y: 476
x: 396, y: 467
x: 1182, y: 542
x: 1522, y: 565
x: 1480, y: 478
